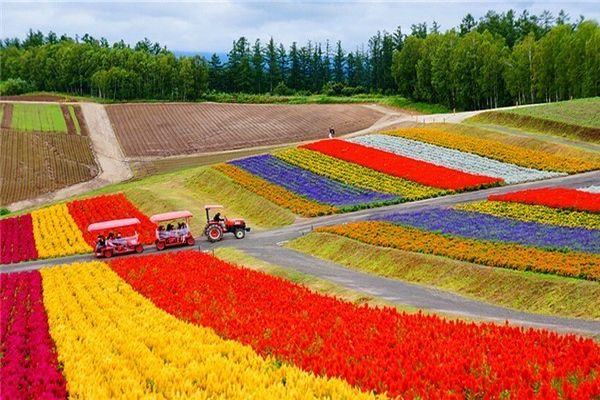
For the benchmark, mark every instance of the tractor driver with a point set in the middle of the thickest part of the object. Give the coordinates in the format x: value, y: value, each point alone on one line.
x: 217, y: 217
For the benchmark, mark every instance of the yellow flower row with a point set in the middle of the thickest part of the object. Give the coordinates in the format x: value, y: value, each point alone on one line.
x: 276, y: 194
x: 535, y: 213
x: 498, y: 150
x: 114, y: 343
x: 56, y: 233
x: 356, y: 175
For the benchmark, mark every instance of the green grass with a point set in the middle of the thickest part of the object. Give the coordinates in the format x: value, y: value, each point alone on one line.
x: 38, y: 118
x: 75, y: 120
x: 526, y: 291
x: 574, y: 119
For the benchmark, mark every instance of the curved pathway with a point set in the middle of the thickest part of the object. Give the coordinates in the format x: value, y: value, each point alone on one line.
x: 267, y: 246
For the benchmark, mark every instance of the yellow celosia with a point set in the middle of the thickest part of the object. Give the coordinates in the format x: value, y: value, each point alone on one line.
x: 114, y: 343
x: 535, y: 213
x: 56, y: 233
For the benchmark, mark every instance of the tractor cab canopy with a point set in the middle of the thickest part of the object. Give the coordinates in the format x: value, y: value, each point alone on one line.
x: 210, y: 207
x: 114, y: 224
x: 170, y: 216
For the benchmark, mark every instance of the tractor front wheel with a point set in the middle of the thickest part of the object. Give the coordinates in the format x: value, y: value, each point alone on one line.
x: 240, y: 233
x: 214, y: 234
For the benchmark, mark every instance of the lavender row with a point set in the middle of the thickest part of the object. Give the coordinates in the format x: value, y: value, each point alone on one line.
x: 487, y: 227
x: 309, y: 184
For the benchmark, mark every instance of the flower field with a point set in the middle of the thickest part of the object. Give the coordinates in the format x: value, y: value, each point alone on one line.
x: 403, y: 167
x: 497, y: 150
x: 61, y: 230
x: 189, y: 325
x: 308, y: 184
x: 570, y: 199
x: 17, y: 242
x: 450, y: 158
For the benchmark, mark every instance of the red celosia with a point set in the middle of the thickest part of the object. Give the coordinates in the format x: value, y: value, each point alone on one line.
x: 16, y: 240
x: 403, y: 167
x: 376, y: 349
x: 108, y: 207
x: 29, y: 365
x: 554, y: 197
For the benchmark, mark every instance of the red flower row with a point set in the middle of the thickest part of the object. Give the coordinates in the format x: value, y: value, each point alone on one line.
x: 554, y: 197
x: 29, y: 363
x: 376, y: 349
x: 403, y: 167
x: 109, y: 207
x: 16, y: 240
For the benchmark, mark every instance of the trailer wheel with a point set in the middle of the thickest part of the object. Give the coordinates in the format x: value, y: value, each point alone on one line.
x: 239, y: 233
x: 160, y: 245
x: 107, y: 253
x: 139, y: 248
x: 214, y: 234
x: 190, y: 241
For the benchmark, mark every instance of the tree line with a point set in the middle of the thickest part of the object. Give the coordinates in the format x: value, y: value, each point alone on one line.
x: 500, y: 59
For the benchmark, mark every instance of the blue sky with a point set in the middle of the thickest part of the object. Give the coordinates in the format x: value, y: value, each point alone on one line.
x: 212, y: 25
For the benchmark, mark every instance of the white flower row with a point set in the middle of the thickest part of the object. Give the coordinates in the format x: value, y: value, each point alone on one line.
x: 455, y: 159
x: 590, y: 189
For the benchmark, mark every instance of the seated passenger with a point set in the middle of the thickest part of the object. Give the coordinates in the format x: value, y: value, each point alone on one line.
x: 119, y: 240
x: 111, y: 239
x: 161, y: 232
x: 100, y: 242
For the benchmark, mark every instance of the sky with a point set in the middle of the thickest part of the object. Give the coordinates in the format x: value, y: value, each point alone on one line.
x: 211, y: 26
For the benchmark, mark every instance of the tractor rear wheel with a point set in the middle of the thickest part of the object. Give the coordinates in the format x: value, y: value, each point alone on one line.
x: 190, y: 241
x: 239, y: 233
x: 139, y: 248
x: 107, y: 253
x: 214, y: 233
x: 160, y: 245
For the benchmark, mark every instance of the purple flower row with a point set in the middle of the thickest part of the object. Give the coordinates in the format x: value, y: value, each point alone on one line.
x: 487, y: 227
x: 309, y: 184
x: 29, y: 364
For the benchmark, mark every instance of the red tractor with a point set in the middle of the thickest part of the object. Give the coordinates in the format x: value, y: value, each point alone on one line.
x: 115, y: 244
x: 173, y: 235
x: 217, y: 226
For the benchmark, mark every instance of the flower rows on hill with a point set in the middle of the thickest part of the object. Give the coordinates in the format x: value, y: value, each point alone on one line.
x: 114, y: 343
x: 451, y: 158
x: 404, y: 167
x: 17, y: 242
x: 276, y: 194
x: 310, y: 185
x: 492, y: 253
x: 570, y: 199
x: 535, y: 213
x: 29, y: 366
x: 61, y: 230
x: 411, y: 356
x: 356, y: 175
x: 497, y: 150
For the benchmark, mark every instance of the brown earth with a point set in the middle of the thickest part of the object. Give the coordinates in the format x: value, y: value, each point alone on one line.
x: 36, y: 163
x: 7, y: 116
x: 82, y: 124
x: 184, y: 128
x: 38, y: 97
x: 68, y: 120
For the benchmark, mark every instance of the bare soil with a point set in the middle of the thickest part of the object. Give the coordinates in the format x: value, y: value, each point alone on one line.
x: 38, y: 97
x: 67, y: 116
x: 7, y: 116
x: 82, y: 124
x: 185, y: 128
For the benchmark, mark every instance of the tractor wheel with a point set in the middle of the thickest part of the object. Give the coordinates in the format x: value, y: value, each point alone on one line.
x: 214, y: 233
x: 160, y: 245
x: 190, y: 241
x: 107, y: 253
x: 239, y: 233
x: 139, y: 248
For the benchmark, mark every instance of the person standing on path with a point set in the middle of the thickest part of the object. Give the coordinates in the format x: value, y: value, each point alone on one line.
x: 331, y: 132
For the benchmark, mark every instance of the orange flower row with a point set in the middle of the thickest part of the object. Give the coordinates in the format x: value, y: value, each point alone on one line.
x: 494, y: 254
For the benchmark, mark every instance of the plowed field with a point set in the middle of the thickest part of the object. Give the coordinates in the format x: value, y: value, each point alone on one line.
x: 34, y: 163
x: 171, y: 129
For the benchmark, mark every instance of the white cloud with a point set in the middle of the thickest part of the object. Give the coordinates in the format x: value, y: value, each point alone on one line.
x: 213, y: 25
